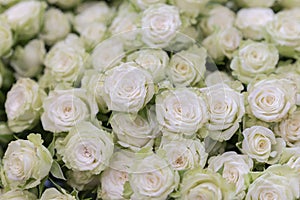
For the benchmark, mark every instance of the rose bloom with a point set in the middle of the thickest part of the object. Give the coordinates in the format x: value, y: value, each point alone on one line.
x: 181, y: 111
x: 271, y: 99
x: 261, y: 144
x: 25, y: 163
x: 160, y: 24
x: 127, y: 88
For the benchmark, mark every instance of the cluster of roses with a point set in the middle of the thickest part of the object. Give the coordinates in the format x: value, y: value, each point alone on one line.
x: 150, y: 99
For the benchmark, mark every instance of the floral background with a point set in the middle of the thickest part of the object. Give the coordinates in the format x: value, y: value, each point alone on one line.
x: 149, y: 99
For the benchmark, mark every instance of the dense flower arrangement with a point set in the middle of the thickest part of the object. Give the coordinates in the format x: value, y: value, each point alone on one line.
x: 150, y: 99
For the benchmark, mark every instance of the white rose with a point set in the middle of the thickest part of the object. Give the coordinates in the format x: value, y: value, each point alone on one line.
x: 261, y: 144
x: 144, y: 4
x: 8, y: 2
x: 152, y: 178
x: 125, y: 27
x: 6, y: 38
x: 18, y: 195
x: 271, y: 99
x: 92, y: 35
x: 187, y: 68
x: 64, y: 4
x: 190, y: 8
x: 226, y: 109
x: 214, y: 78
x: 291, y: 157
x: 252, y: 21
x: 54, y: 194
x: 289, y: 3
x: 181, y: 111
x: 222, y: 43
x: 23, y: 105
x: 254, y: 58
x: 114, y: 178
x: 127, y: 88
x: 289, y: 129
x: 205, y: 184
x: 153, y: 60
x: 133, y: 130
x: 65, y: 108
x: 235, y: 169
x: 86, y: 148
x: 28, y: 61
x: 25, y: 18
x: 25, y: 163
x: 219, y: 18
x: 107, y: 54
x: 284, y: 32
x: 92, y: 12
x: 56, y: 26
x: 65, y: 63
x: 277, y: 182
x: 256, y: 3
x: 160, y: 24
x: 184, y: 154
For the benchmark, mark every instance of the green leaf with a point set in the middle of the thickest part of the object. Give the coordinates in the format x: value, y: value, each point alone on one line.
x: 51, y: 146
x: 56, y: 171
x: 127, y: 190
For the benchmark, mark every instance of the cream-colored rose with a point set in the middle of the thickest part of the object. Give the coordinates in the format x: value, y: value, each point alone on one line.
x: 65, y: 62
x: 125, y: 26
x: 153, y: 60
x: 205, y: 184
x: 271, y: 99
x: 187, y: 68
x: 25, y: 163
x: 133, y: 130
x: 23, y: 105
x: 219, y: 18
x: 28, y: 61
x: 222, y: 43
x: 284, y: 32
x: 236, y: 167
x: 226, y: 109
x: 252, y: 59
x: 277, y: 182
x: 63, y: 109
x: 25, y: 18
x: 214, y: 78
x: 64, y: 4
x: 6, y: 37
x: 256, y: 3
x: 184, y: 154
x: 289, y: 3
x: 152, y: 177
x: 191, y: 8
x: 127, y: 88
x: 114, y: 178
x: 56, y: 26
x: 107, y: 54
x: 86, y: 148
x: 18, y: 195
x: 252, y: 21
x: 160, y: 24
x: 261, y: 144
x: 289, y: 129
x: 92, y: 35
x: 54, y: 194
x: 144, y: 4
x: 181, y: 111
x: 91, y: 13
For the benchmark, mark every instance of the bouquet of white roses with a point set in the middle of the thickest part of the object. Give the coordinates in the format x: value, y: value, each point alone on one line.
x: 149, y: 99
